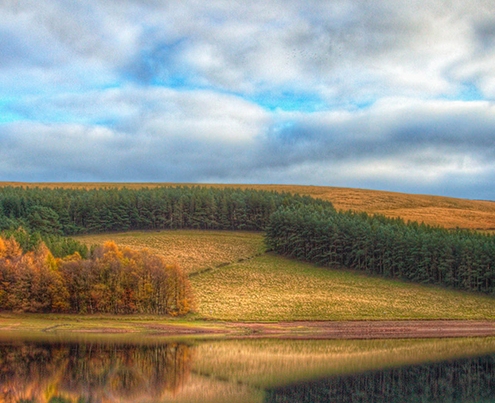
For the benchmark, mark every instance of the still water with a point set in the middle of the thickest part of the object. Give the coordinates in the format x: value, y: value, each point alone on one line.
x: 154, y: 370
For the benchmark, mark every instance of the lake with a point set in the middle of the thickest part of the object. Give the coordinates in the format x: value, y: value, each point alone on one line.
x: 89, y: 369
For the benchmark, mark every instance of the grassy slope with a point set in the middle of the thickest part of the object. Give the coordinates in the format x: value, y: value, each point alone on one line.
x: 269, y: 287
x: 273, y: 288
x: 193, y: 250
x: 434, y: 210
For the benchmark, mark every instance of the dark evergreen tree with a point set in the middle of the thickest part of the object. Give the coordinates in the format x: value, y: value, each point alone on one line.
x: 387, y: 247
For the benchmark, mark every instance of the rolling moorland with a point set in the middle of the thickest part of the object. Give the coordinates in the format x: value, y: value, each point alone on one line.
x: 441, y: 211
x: 233, y: 279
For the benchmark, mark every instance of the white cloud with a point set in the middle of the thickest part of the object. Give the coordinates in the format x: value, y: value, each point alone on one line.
x: 152, y: 90
x: 345, y: 49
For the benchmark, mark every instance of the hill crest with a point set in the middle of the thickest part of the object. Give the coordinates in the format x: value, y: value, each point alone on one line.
x: 442, y: 211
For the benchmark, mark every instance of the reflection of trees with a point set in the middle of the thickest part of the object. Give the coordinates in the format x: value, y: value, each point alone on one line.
x: 66, y: 373
x: 466, y: 380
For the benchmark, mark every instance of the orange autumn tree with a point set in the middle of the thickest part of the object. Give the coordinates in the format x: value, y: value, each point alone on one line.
x: 123, y: 280
x: 113, y: 280
x: 30, y: 282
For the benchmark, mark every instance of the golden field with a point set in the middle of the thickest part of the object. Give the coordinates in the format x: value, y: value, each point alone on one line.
x: 434, y: 210
x: 234, y: 280
x: 273, y: 288
x: 274, y: 363
x: 193, y: 250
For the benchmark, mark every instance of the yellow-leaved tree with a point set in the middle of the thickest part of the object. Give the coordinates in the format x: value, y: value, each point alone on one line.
x: 112, y: 280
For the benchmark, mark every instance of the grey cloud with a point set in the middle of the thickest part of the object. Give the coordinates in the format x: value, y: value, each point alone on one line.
x: 100, y: 154
x: 15, y: 53
x: 428, y: 149
x: 485, y: 34
x: 157, y: 135
x: 222, y: 139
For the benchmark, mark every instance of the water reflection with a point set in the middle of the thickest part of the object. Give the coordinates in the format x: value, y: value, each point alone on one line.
x: 33, y: 372
x: 460, y: 381
x: 247, y: 371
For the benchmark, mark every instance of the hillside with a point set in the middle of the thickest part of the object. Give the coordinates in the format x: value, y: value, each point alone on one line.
x: 434, y: 210
x: 235, y: 280
x: 193, y: 250
x: 228, y: 285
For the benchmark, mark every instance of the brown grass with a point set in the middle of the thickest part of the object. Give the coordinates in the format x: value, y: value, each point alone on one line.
x: 272, y: 288
x: 434, y: 210
x: 193, y: 250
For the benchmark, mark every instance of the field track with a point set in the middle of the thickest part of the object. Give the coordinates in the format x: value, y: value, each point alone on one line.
x: 374, y: 329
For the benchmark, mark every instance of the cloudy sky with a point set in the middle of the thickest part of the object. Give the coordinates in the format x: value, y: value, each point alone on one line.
x: 390, y: 94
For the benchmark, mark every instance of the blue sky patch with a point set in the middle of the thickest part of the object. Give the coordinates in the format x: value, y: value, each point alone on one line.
x: 289, y: 101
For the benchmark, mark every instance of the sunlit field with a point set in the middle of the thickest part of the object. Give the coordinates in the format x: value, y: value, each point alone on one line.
x: 273, y: 288
x: 193, y: 250
x: 233, y: 280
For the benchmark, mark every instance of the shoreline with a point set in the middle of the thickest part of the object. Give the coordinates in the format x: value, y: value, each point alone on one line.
x: 14, y: 325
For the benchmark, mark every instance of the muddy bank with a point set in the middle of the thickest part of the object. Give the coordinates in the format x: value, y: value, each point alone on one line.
x: 108, y: 325
x: 337, y: 330
x: 377, y: 329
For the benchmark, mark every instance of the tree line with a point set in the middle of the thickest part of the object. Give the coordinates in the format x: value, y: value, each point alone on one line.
x: 111, y: 280
x: 76, y: 211
x: 383, y: 246
x: 41, y: 270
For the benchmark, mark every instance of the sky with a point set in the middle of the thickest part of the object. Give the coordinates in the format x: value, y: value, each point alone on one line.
x: 392, y: 94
